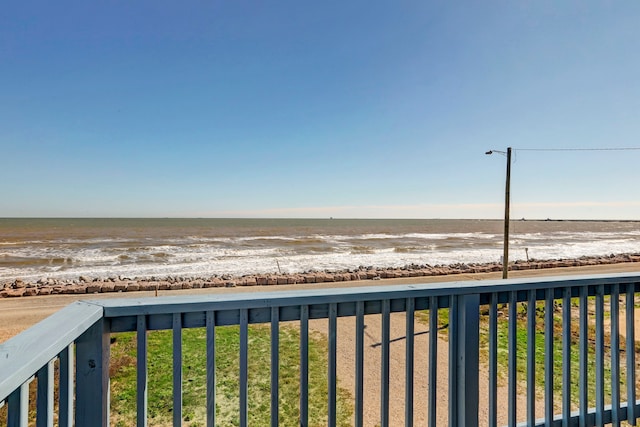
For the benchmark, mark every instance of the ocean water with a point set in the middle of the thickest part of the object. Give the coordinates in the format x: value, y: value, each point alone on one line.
x: 68, y: 248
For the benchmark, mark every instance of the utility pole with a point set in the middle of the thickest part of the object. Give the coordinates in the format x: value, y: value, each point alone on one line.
x: 507, y: 189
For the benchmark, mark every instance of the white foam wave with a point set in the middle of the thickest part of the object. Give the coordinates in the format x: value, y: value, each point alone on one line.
x: 238, y: 256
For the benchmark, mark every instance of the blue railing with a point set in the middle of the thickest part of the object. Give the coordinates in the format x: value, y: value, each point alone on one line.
x: 585, y: 308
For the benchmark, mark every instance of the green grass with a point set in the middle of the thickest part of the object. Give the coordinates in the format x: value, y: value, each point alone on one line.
x: 123, y: 378
x: 540, y: 351
x: 521, y: 349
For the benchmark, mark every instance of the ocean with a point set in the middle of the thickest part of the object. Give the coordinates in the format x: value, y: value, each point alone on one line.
x: 65, y: 249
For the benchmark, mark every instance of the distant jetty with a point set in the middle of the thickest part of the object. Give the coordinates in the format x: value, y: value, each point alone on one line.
x: 86, y: 285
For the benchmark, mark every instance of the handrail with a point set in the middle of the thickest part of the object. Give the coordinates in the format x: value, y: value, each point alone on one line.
x: 121, y: 307
x: 23, y: 355
x: 123, y: 312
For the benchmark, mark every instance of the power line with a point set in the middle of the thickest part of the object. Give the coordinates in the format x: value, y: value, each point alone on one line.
x: 579, y: 149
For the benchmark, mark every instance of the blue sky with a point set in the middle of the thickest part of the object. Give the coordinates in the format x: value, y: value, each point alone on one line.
x: 317, y: 109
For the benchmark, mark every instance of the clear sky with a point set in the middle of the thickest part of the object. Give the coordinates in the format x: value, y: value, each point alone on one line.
x: 287, y: 108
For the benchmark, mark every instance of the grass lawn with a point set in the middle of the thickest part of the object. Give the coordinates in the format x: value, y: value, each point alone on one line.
x: 521, y: 348
x: 160, y: 389
x: 558, y: 360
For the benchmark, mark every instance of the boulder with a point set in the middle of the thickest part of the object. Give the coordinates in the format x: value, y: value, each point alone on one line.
x: 73, y: 289
x: 325, y: 277
x: 120, y: 287
x: 107, y: 287
x: 212, y: 283
x: 12, y: 293
x: 146, y: 286
x: 250, y: 281
x: 94, y: 288
x: 30, y: 292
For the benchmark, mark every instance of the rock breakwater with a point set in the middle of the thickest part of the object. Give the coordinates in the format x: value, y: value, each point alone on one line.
x: 86, y: 285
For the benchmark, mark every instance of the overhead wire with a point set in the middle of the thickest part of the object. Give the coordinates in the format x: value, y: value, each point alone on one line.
x: 579, y: 149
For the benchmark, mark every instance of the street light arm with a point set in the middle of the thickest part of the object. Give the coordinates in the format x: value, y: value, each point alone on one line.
x: 497, y: 151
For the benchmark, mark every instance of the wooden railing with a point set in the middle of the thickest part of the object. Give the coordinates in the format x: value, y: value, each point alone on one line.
x: 580, y: 314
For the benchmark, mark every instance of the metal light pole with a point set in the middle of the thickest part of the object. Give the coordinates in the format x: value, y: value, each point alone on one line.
x: 507, y: 190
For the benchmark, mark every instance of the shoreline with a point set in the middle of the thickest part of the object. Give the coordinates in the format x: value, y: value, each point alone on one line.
x: 18, y: 314
x: 85, y: 285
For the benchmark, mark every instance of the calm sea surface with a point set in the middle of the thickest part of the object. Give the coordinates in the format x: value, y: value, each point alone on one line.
x: 68, y: 248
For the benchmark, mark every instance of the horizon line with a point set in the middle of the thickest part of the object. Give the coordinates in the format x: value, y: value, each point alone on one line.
x: 327, y: 218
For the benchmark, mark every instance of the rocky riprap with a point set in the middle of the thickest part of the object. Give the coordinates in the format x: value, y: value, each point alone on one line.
x: 86, y: 285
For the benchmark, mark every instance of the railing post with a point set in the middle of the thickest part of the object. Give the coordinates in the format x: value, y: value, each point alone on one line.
x: 18, y: 407
x: 92, y: 376
x: 466, y: 369
x: 66, y: 395
x: 44, y: 400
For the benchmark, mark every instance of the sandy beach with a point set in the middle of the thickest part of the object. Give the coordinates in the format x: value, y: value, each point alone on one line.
x: 17, y: 314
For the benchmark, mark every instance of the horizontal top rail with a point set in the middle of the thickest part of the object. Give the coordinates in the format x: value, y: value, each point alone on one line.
x: 192, y: 303
x: 27, y: 352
